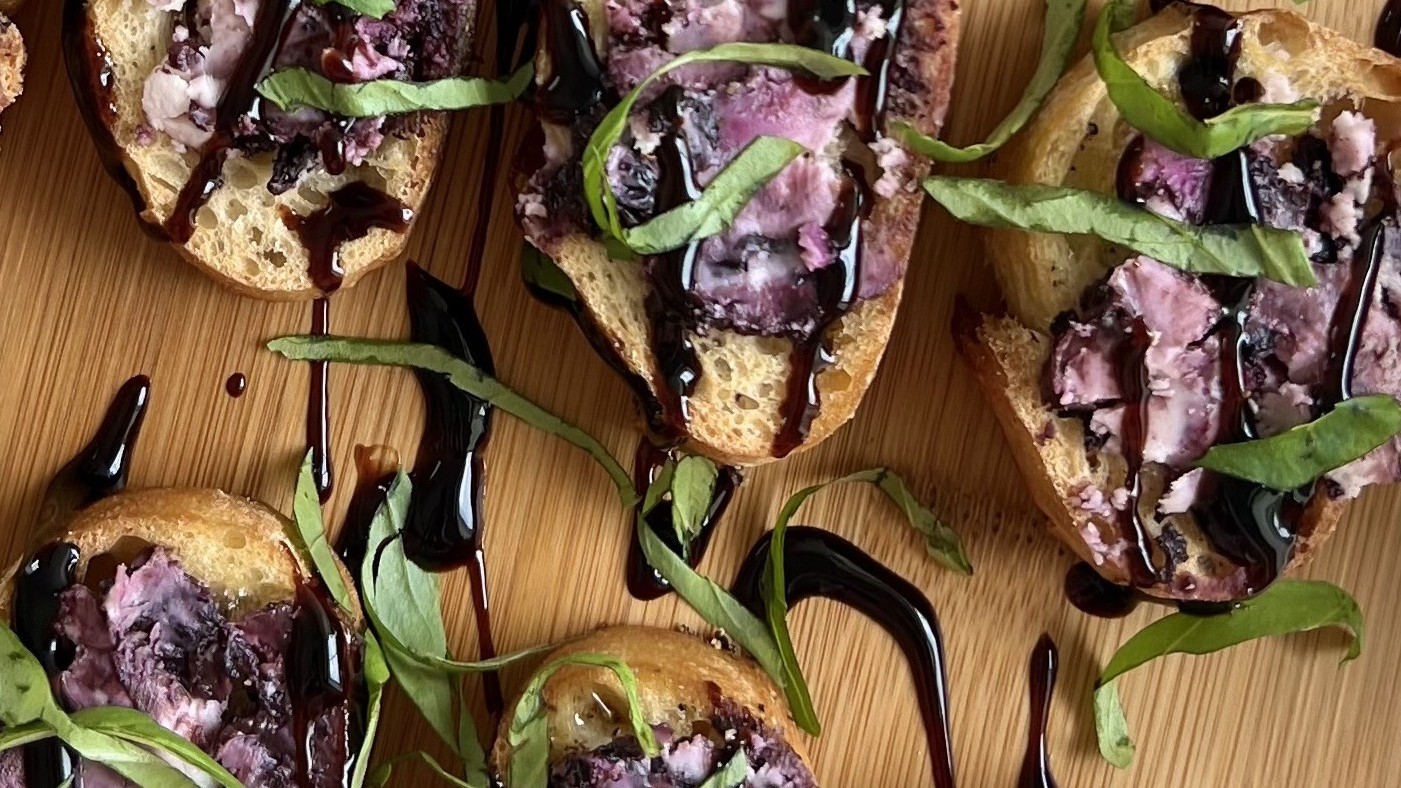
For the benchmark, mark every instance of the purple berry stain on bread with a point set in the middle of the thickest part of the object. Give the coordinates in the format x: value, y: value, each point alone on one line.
x: 1230, y: 359
x: 418, y: 41
x: 688, y: 762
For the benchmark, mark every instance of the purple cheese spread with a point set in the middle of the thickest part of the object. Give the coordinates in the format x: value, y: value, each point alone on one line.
x: 156, y: 641
x: 419, y: 40
x: 687, y: 763
x: 1318, y: 185
x: 756, y: 277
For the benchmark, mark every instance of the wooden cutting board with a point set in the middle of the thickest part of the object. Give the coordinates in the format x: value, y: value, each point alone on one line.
x: 87, y: 300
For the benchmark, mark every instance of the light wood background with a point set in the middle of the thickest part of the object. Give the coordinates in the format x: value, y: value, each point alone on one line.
x: 87, y: 300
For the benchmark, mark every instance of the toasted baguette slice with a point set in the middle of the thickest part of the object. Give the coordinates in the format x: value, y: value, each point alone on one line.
x: 241, y: 238
x: 1077, y: 141
x: 12, y: 60
x: 736, y: 410
x: 239, y: 548
x: 681, y: 679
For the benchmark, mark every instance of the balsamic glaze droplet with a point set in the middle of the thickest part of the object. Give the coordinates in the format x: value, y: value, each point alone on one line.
x: 1388, y: 35
x: 236, y: 384
x: 820, y: 563
x: 1036, y: 766
x: 1094, y: 595
x: 643, y: 581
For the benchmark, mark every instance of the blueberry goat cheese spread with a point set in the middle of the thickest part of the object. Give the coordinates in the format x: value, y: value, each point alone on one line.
x: 1162, y: 365
x: 760, y: 276
x: 419, y: 40
x: 155, y: 640
x: 688, y: 762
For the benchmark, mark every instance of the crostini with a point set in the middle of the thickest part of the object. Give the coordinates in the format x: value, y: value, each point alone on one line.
x: 758, y: 336
x: 199, y: 610
x: 1131, y: 388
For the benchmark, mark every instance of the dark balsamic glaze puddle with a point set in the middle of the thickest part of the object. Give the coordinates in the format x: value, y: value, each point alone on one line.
x: 644, y: 582
x: 321, y: 677
x: 1388, y: 35
x: 1036, y: 765
x: 236, y: 384
x: 819, y: 563
x: 1093, y: 595
x: 444, y: 528
x: 99, y: 469
x: 575, y: 83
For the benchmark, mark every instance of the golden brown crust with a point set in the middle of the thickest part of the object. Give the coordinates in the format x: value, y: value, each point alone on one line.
x: 239, y: 548
x: 737, y: 408
x: 241, y: 238
x: 679, y: 679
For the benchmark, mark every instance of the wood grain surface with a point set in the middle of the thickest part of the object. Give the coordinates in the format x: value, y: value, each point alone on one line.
x: 87, y: 300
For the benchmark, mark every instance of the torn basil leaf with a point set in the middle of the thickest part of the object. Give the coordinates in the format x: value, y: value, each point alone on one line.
x: 375, y: 9
x: 1297, y: 456
x: 376, y: 672
x: 1165, y: 121
x: 462, y: 375
x: 732, y: 774
x: 721, y: 201
x: 1286, y: 607
x: 1063, y: 21
x: 24, y: 687
x: 692, y: 487
x: 310, y: 535
x: 136, y: 728
x: 543, y: 276
x: 293, y: 88
x: 28, y: 733
x: 1248, y: 251
x: 603, y: 204
x: 381, y: 775
x: 405, y: 605
x: 528, y: 733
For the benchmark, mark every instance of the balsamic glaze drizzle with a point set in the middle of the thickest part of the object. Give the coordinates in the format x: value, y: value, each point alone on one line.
x: 272, y: 26
x: 1091, y: 594
x: 820, y: 563
x: 444, y: 525
x: 1036, y: 765
x: 99, y: 469
x: 318, y: 416
x: 644, y: 582
x: 321, y: 677
x: 352, y: 212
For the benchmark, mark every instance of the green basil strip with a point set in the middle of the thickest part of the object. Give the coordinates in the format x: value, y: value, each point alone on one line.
x: 1063, y: 21
x: 941, y: 541
x: 732, y: 774
x: 603, y: 204
x: 310, y: 534
x: 528, y: 734
x: 381, y: 775
x: 692, y: 487
x: 1219, y: 249
x: 132, y: 726
x: 1297, y: 456
x: 405, y: 605
x: 376, y: 671
x: 714, y: 604
x: 462, y: 375
x: 544, y: 275
x: 137, y: 764
x: 1286, y: 607
x: 1165, y: 121
x: 375, y: 9
x: 716, y: 208
x: 28, y: 733
x: 290, y: 88
x: 469, y: 746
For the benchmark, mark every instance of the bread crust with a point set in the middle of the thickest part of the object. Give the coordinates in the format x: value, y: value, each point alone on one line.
x: 238, y: 547
x: 673, y: 669
x: 240, y: 236
x: 1043, y: 275
x: 736, y: 409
